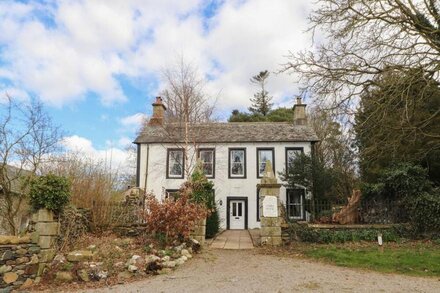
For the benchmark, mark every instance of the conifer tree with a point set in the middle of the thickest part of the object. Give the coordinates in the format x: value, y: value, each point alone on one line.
x: 261, y: 101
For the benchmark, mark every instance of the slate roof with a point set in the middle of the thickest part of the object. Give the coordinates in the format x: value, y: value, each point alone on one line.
x: 228, y: 132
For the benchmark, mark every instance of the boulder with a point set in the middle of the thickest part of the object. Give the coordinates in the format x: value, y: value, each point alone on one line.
x: 5, y: 269
x: 28, y: 283
x: 10, y: 277
x: 79, y: 255
x: 151, y: 258
x: 133, y: 268
x: 21, y: 260
x: 83, y: 275
x: 64, y: 276
x: 186, y: 253
x: 7, y: 255
x: 169, y: 264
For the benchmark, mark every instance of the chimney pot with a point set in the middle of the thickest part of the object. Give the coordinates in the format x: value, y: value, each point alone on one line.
x: 299, y: 113
x: 158, y: 113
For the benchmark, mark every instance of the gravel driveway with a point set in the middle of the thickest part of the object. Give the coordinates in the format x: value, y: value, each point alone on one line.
x: 249, y: 271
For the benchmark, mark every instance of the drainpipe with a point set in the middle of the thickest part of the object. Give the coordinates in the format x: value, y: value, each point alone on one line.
x: 146, y: 176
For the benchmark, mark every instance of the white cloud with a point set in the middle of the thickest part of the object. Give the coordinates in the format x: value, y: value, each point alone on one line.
x: 88, y: 44
x: 134, y: 120
x: 114, y: 158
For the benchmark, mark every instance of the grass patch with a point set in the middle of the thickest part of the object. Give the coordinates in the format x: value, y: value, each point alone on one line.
x: 418, y: 259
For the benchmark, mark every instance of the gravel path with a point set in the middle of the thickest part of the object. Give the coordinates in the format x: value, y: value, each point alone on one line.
x: 249, y: 271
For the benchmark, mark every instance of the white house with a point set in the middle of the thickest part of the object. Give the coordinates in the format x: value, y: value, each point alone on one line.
x: 233, y: 156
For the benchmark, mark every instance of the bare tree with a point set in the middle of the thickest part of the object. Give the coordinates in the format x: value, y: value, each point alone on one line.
x: 185, y: 95
x: 362, y: 39
x: 187, y: 103
x: 27, y: 137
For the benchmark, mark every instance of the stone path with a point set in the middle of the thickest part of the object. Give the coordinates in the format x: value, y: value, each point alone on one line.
x: 233, y: 239
x: 221, y: 270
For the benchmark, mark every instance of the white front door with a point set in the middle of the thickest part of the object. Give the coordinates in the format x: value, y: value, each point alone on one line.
x: 236, y: 214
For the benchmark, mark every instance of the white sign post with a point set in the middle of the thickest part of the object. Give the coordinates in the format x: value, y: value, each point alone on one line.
x: 270, y: 206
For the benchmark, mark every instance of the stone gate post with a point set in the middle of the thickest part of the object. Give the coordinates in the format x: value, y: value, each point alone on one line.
x: 270, y: 208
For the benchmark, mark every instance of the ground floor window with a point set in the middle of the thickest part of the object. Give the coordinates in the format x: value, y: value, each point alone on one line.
x: 295, y: 203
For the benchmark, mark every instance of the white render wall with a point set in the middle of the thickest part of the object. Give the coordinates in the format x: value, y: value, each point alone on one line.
x: 224, y: 187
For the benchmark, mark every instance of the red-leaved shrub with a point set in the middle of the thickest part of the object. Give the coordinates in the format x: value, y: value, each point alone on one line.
x: 172, y: 219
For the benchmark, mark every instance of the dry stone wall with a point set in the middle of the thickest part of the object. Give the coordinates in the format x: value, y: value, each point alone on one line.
x: 23, y: 259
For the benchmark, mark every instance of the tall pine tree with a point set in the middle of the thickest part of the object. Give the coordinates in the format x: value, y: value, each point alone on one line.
x: 261, y: 101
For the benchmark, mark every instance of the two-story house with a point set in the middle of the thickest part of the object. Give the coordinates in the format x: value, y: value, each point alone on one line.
x: 233, y: 157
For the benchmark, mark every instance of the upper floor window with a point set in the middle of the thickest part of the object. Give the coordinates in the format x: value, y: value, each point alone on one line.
x: 175, y: 163
x: 207, y: 157
x: 264, y: 155
x: 237, y: 163
x: 291, y: 154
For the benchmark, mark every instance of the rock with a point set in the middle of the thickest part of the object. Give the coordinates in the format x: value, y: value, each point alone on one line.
x: 34, y: 249
x: 79, y: 255
x: 91, y: 247
x: 21, y: 260
x: 10, y: 277
x: 28, y: 283
x: 124, y: 275
x: 64, y: 276
x: 31, y: 269
x: 132, y: 268
x: 119, y: 264
x: 37, y: 280
x: 181, y: 260
x: 180, y: 247
x: 11, y: 262
x: 102, y: 274
x: 59, y: 258
x: 165, y: 271
x: 169, y: 264
x: 7, y: 255
x: 21, y: 251
x: 186, y: 253
x: 17, y: 283
x: 20, y: 272
x: 151, y: 258
x: 118, y: 248
x: 6, y: 290
x: 34, y: 259
x: 165, y: 258
x: 83, y: 275
x: 5, y: 269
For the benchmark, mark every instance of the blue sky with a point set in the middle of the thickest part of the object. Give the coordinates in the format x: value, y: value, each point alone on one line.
x: 96, y: 65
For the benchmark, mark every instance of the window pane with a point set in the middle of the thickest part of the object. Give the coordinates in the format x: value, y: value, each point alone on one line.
x: 263, y: 156
x: 234, y: 209
x: 175, y: 163
x: 291, y: 155
x: 207, y: 169
x: 206, y: 156
x: 237, y: 162
x: 240, y: 206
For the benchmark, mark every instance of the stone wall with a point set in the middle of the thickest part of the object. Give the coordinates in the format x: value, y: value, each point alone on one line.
x: 23, y: 259
x: 19, y: 262
x: 199, y: 232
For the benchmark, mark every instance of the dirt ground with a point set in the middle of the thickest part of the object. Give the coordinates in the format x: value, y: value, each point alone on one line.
x: 251, y: 271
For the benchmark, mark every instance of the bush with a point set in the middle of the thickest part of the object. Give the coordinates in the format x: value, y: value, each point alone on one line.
x: 51, y: 192
x: 425, y: 213
x: 212, y: 224
x: 172, y: 219
x: 306, y: 234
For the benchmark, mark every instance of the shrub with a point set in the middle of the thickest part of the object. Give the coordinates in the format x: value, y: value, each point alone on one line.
x: 212, y: 224
x: 172, y: 219
x: 200, y: 190
x: 51, y: 192
x: 306, y: 234
x: 425, y: 213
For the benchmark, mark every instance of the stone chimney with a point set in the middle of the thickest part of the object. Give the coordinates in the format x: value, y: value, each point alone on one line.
x: 158, y: 113
x: 299, y: 113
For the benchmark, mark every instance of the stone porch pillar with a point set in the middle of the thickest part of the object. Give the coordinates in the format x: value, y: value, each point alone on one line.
x: 270, y: 208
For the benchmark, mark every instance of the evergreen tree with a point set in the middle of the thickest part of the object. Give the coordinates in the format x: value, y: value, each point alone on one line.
x: 261, y: 101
